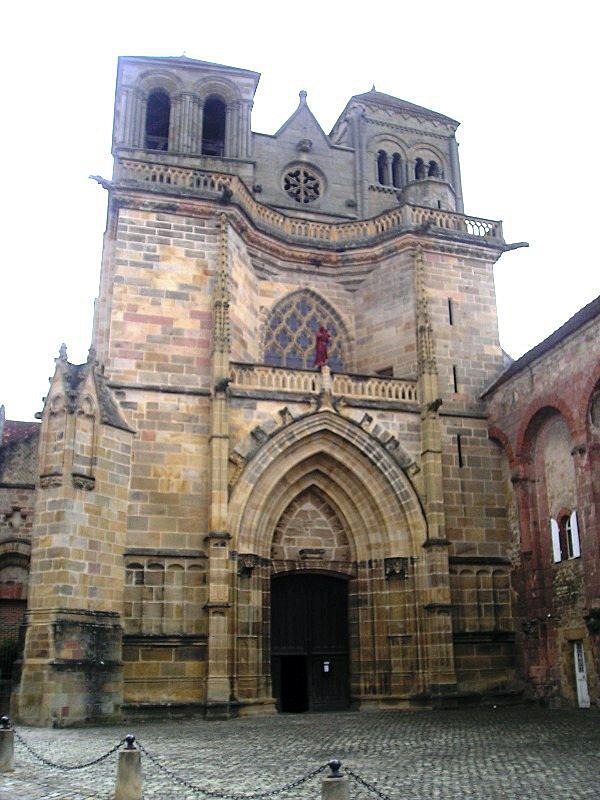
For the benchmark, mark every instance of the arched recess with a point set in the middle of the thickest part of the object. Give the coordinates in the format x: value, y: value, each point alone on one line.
x: 589, y: 406
x: 498, y: 435
x: 15, y: 557
x: 533, y: 418
x: 288, y: 338
x: 379, y: 513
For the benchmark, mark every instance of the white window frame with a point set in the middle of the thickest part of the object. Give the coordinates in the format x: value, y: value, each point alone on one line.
x: 572, y: 531
x: 555, y: 535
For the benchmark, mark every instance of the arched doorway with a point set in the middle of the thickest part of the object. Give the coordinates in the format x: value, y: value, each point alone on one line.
x: 309, y: 642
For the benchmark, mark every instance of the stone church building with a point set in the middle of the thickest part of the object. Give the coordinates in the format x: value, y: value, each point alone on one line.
x: 211, y: 522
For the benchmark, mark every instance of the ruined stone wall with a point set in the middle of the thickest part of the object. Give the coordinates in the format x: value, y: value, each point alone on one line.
x: 542, y: 416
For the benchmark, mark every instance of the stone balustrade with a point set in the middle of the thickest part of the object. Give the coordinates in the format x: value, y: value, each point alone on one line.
x: 366, y: 387
x: 338, y: 235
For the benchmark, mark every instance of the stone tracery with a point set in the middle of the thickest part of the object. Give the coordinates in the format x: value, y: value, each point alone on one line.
x: 291, y: 328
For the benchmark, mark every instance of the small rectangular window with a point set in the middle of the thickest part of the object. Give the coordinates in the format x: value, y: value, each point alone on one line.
x: 454, y: 379
x: 459, y: 450
x: 450, y: 316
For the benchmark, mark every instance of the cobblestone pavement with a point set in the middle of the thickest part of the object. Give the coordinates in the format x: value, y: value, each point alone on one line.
x: 493, y: 754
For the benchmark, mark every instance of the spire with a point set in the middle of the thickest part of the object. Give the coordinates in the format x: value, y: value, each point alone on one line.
x: 302, y: 96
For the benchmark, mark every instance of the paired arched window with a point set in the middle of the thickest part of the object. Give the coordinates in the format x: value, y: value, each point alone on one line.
x: 158, y: 120
x: 383, y: 169
x: 213, y: 127
x: 291, y: 329
x: 158, y: 117
x: 424, y: 170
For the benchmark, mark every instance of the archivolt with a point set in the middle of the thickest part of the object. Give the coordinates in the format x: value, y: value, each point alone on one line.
x: 359, y: 477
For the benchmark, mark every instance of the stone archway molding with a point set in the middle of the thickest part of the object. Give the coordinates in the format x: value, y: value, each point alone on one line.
x: 360, y: 460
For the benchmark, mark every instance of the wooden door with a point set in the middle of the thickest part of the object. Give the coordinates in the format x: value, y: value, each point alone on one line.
x: 309, y: 642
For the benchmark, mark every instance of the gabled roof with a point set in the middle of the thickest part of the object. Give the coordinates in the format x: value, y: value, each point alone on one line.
x: 388, y: 101
x: 382, y: 99
x: 578, y: 320
x: 73, y: 377
x: 303, y: 110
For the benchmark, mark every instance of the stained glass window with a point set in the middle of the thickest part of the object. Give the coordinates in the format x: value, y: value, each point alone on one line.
x: 291, y: 329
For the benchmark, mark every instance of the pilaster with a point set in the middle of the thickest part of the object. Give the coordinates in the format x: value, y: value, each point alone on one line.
x: 218, y: 689
x: 439, y: 649
x: 455, y: 168
x: 230, y: 132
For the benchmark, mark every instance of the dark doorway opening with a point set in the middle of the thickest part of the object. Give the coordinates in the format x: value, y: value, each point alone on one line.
x: 294, y: 685
x: 309, y: 642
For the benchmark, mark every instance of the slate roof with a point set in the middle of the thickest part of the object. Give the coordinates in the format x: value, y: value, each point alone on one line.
x: 16, y: 431
x: 578, y: 320
x: 382, y: 99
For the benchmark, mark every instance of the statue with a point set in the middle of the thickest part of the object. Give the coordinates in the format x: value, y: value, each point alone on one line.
x: 322, y: 340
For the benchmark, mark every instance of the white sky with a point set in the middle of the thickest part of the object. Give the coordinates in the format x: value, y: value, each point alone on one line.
x: 521, y: 77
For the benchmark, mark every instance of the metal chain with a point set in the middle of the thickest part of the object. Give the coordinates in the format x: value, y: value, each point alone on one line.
x: 54, y: 765
x: 367, y: 785
x: 225, y: 795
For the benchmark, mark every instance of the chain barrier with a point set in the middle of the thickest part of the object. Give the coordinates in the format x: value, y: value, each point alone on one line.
x: 54, y: 765
x: 362, y: 782
x: 334, y: 765
x: 225, y: 795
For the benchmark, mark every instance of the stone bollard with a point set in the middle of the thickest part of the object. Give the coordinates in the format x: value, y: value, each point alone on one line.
x: 335, y: 785
x: 129, y: 772
x: 7, y: 746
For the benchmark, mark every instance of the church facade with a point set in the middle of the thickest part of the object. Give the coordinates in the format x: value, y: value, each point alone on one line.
x: 217, y: 522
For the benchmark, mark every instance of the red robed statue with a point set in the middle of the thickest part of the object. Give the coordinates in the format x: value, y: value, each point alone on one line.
x: 322, y: 340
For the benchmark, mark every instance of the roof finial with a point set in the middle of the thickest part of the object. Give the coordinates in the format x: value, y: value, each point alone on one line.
x: 302, y: 95
x: 91, y: 355
x: 62, y: 353
x: 373, y: 89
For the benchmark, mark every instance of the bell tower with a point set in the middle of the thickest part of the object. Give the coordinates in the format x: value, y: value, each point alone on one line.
x: 173, y: 109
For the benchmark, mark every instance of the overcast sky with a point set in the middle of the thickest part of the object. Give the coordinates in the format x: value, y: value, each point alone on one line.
x: 521, y: 77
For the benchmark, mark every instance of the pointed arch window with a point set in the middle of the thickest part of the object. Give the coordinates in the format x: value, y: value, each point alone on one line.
x: 158, y: 117
x: 213, y: 127
x: 291, y: 328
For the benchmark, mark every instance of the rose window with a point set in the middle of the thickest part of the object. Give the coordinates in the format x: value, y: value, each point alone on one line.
x: 301, y: 184
x: 291, y: 331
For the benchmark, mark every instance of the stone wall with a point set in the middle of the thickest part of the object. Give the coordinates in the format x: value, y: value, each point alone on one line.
x: 542, y: 416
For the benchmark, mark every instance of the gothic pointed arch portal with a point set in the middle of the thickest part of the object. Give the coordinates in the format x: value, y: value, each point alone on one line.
x: 323, y: 498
